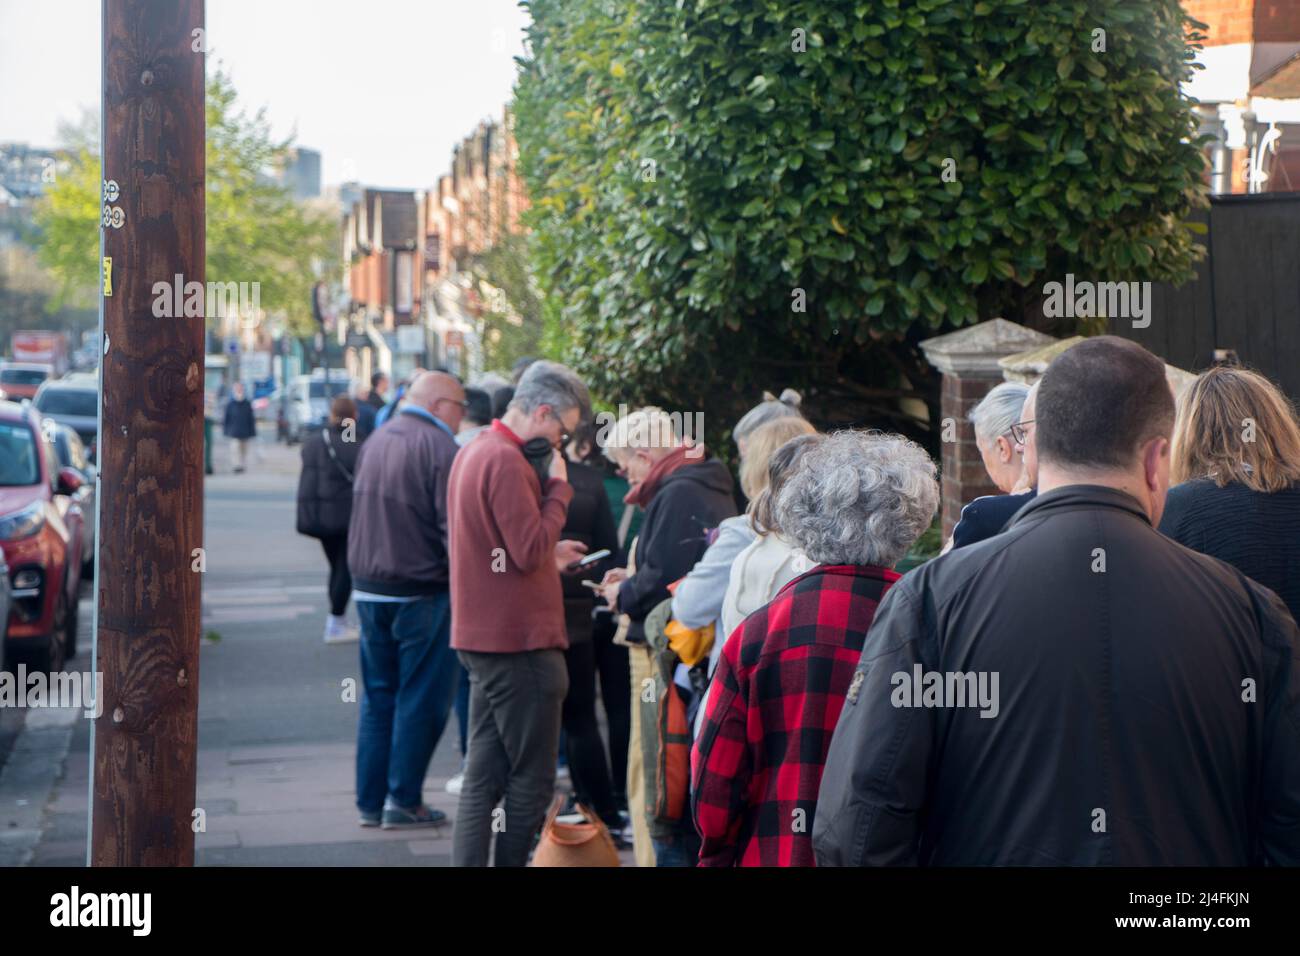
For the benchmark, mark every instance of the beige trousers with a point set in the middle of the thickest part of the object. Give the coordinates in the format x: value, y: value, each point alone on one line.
x: 642, y: 668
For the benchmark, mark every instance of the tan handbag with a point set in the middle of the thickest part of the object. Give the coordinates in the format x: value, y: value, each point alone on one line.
x: 574, y: 844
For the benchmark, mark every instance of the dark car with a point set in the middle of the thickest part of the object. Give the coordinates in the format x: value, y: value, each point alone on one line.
x: 72, y: 454
x: 41, y: 527
x: 74, y: 402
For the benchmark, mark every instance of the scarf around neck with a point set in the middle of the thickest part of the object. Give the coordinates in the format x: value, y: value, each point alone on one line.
x: 641, y: 494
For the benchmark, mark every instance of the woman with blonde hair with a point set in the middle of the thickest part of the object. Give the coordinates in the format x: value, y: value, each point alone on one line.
x: 1236, y: 474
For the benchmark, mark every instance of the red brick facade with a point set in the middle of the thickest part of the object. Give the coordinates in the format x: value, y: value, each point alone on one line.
x: 1246, y: 21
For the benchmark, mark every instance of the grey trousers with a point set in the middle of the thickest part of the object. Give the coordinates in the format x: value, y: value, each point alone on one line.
x: 514, y: 739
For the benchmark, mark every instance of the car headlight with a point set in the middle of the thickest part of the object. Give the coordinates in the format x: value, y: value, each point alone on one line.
x: 27, y: 579
x: 23, y: 523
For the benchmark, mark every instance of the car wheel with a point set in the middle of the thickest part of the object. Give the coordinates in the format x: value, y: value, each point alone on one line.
x: 48, y: 655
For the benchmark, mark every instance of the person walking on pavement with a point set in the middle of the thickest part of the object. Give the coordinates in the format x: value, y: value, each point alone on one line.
x: 239, y: 425
x: 329, y: 461
x: 507, y: 501
x: 378, y: 389
x: 1079, y: 690
x: 398, y: 555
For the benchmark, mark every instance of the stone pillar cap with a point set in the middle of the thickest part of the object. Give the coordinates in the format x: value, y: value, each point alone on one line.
x: 975, y: 350
x: 1028, y: 366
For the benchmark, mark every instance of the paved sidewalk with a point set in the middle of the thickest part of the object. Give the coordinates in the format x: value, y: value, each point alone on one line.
x: 276, y: 738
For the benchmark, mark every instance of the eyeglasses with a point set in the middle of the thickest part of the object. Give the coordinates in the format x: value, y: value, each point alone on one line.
x: 463, y: 403
x: 1019, y: 433
x: 564, y: 434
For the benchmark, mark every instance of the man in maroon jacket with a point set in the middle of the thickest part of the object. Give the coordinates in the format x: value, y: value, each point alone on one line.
x: 507, y: 501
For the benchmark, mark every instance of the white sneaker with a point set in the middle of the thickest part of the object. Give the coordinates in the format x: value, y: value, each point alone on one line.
x: 455, y: 784
x: 339, y: 631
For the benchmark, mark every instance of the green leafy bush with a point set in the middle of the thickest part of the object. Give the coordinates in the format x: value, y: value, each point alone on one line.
x: 701, y: 169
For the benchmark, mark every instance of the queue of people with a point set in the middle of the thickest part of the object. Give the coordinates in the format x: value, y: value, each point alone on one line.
x: 1099, y: 669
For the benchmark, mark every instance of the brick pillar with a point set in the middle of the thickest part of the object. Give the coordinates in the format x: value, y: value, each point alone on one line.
x: 968, y: 360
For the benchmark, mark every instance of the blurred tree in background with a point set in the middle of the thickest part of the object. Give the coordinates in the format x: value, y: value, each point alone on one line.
x: 256, y: 231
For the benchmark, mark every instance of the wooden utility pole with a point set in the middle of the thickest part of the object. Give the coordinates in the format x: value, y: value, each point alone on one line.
x: 151, y: 435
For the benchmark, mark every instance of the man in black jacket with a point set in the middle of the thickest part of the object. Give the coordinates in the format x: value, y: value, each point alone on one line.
x: 1078, y: 690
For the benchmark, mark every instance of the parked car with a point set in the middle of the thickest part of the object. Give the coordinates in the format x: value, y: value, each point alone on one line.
x: 309, y: 401
x: 40, y: 533
x: 5, y: 605
x: 73, y: 401
x: 22, y: 379
x: 72, y: 454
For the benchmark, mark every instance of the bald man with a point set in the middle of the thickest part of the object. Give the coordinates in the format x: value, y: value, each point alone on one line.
x: 397, y: 553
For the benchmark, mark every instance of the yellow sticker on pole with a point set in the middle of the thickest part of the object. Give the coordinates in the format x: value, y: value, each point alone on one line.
x: 108, y: 276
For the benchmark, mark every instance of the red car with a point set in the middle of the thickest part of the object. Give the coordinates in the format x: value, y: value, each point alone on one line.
x: 41, y: 528
x: 22, y: 379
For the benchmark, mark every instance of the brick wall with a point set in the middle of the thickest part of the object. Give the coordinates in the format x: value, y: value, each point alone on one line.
x: 1277, y: 21
x: 1230, y: 21
x: 964, y: 477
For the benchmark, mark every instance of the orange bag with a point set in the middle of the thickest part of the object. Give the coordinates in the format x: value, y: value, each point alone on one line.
x: 574, y: 844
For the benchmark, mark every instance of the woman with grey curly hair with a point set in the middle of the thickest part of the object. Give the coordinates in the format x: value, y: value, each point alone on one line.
x: 855, y: 504
x: 859, y: 498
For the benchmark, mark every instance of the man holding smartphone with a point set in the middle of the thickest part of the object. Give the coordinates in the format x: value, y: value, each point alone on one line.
x: 507, y: 612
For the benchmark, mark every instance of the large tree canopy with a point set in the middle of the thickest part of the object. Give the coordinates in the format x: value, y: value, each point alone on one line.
x: 736, y: 194
x: 256, y: 231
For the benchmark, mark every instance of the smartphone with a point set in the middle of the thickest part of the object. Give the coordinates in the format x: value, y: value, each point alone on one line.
x: 591, y: 558
x: 590, y: 584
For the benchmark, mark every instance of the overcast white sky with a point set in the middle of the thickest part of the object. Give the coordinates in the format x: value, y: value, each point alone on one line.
x: 422, y: 73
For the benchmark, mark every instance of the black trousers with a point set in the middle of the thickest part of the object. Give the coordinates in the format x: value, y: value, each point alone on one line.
x: 584, y: 747
x: 340, y: 584
x: 615, y: 676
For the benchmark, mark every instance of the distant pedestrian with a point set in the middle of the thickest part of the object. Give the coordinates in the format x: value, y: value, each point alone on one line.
x: 329, y: 464
x: 1079, y: 690
x: 365, y: 416
x: 240, y: 426
x: 397, y: 552
x: 501, y: 400
x: 478, y: 415
x: 508, y: 498
x: 1236, y: 465
x: 386, y: 413
x: 377, y: 398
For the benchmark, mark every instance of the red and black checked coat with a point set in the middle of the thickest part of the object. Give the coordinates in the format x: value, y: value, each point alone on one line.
x: 772, y: 707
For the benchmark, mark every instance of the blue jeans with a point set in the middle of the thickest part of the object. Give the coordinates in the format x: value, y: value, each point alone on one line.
x: 408, y: 670
x: 681, y: 849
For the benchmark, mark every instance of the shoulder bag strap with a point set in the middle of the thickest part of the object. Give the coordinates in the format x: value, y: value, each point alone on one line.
x: 334, y: 457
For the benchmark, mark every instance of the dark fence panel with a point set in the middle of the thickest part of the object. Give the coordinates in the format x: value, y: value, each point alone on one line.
x: 1245, y: 297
